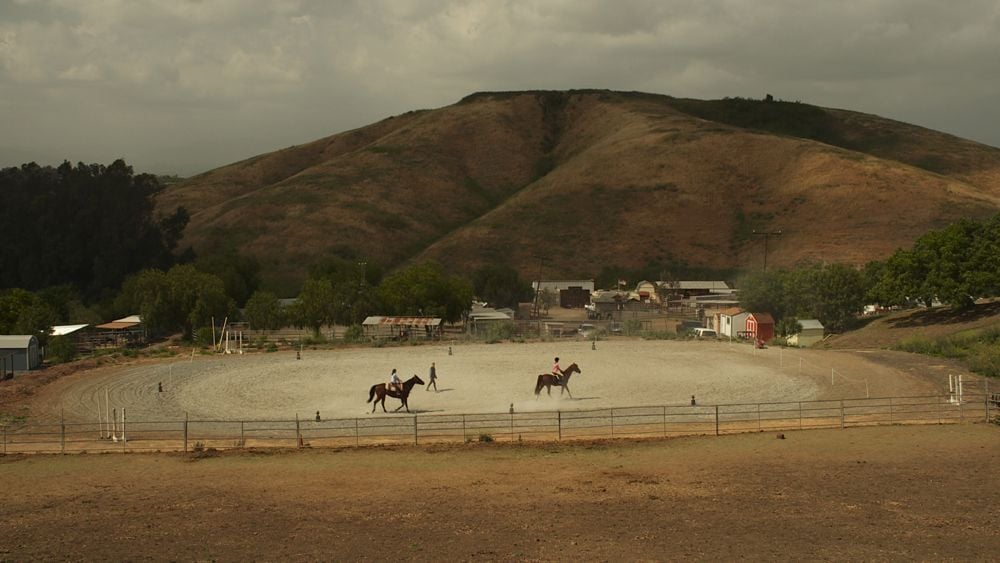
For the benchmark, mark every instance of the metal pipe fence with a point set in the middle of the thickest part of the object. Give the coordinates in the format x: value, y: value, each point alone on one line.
x: 586, y: 424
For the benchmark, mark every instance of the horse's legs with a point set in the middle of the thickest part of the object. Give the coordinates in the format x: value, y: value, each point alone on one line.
x: 549, y: 389
x: 383, y: 404
x: 566, y: 389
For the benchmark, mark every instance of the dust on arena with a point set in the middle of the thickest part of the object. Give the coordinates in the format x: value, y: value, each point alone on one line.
x: 474, y: 378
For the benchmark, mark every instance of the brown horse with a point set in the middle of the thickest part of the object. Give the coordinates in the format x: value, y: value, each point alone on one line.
x: 547, y: 380
x: 379, y: 393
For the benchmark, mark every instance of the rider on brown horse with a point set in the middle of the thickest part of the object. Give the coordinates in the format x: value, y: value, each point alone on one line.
x: 557, y: 372
x: 395, y: 383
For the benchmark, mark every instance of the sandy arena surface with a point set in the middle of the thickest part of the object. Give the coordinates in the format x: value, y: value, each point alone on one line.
x: 475, y: 378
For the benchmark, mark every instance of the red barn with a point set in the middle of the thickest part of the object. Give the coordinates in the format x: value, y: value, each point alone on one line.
x: 761, y: 326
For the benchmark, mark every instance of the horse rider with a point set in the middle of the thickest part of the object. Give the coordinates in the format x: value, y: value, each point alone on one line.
x: 557, y: 372
x: 395, y: 382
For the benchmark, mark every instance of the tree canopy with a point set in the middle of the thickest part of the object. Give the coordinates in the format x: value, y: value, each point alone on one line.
x: 87, y: 225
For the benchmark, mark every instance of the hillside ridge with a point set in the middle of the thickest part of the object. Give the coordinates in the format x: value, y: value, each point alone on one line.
x: 567, y: 182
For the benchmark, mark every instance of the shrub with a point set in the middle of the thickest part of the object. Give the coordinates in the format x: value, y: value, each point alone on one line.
x: 486, y: 438
x: 498, y: 331
x: 61, y: 349
x: 354, y: 333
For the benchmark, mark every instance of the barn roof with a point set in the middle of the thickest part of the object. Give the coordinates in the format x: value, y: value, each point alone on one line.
x: 810, y: 324
x: 63, y: 330
x: 15, y: 341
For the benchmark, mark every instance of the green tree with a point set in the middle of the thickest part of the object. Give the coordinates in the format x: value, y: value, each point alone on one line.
x: 239, y: 274
x: 424, y: 289
x: 317, y: 304
x: 264, y: 312
x: 764, y: 292
x: 501, y: 286
x: 97, y: 224
x: 23, y: 312
x: 181, y: 299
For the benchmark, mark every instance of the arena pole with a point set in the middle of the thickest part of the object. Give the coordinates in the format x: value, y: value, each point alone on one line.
x: 185, y: 432
x: 415, y: 434
x: 716, y: 420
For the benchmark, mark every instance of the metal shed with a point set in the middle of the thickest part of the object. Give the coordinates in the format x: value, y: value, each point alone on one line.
x: 19, y: 352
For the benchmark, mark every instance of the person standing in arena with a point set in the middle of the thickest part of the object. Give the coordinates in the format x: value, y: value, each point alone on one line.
x: 432, y: 377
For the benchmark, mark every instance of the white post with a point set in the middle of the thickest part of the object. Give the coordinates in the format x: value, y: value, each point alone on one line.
x: 959, y: 389
x: 123, y: 425
x: 114, y: 425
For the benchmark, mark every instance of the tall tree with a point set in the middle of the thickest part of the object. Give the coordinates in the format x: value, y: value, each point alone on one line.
x: 424, y: 289
x: 87, y: 225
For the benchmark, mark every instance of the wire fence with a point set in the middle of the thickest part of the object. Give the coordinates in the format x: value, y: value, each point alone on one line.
x: 126, y: 435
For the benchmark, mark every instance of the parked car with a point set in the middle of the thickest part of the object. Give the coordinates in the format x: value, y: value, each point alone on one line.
x: 704, y: 333
x: 586, y: 330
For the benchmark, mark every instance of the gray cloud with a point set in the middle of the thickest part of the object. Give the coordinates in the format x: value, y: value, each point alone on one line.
x: 179, y: 86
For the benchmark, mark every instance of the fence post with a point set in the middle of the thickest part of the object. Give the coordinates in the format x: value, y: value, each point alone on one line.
x: 465, y: 435
x: 185, y: 432
x: 890, y: 411
x: 800, y: 415
x: 961, y: 411
x: 559, y: 422
x: 511, y: 426
x: 612, y: 423
x: 243, y: 437
x: 986, y: 388
x: 62, y: 432
x: 415, y: 434
x: 4, y: 439
x: 124, y: 440
x: 760, y: 428
x: 716, y: 420
x: 357, y: 433
x: 841, y: 414
x: 664, y: 421
x: 298, y: 432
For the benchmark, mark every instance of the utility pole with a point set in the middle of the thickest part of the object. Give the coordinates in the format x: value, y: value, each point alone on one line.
x: 766, y: 235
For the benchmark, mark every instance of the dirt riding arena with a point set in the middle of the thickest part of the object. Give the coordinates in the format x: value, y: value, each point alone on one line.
x: 474, y: 378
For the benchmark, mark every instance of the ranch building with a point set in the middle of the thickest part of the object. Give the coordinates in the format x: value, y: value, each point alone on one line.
x: 731, y: 322
x: 402, y: 328
x: 572, y: 293
x: 811, y: 333
x: 19, y: 352
x: 760, y: 326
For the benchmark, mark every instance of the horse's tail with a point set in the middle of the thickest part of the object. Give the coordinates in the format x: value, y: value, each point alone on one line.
x: 538, y: 385
x: 371, y: 393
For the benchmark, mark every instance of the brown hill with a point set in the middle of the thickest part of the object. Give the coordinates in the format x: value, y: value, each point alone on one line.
x: 564, y: 183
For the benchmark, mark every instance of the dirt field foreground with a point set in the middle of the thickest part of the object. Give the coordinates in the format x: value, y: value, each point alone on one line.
x: 903, y: 492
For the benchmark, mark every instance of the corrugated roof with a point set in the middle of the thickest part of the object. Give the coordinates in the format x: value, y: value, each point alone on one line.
x: 702, y: 285
x: 15, y: 341
x: 63, y: 330
x: 129, y: 319
x: 402, y: 321
x: 810, y: 324
x: 732, y: 311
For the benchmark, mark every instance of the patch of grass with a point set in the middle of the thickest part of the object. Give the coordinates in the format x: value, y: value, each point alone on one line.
x: 978, y: 348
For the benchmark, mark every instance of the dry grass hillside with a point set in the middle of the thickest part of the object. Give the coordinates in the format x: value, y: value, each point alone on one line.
x: 564, y: 183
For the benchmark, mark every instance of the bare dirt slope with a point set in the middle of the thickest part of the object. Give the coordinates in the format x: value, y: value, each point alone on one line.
x: 591, y: 178
x: 914, y: 493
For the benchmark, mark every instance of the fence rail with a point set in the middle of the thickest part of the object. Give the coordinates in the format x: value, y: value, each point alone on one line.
x: 619, y: 422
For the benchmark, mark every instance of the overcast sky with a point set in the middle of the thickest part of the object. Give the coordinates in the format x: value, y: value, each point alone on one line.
x: 182, y: 86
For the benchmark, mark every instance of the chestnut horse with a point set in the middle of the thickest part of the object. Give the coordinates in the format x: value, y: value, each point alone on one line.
x: 379, y: 393
x: 547, y: 380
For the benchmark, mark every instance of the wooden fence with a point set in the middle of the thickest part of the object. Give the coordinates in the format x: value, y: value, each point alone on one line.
x: 624, y: 422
